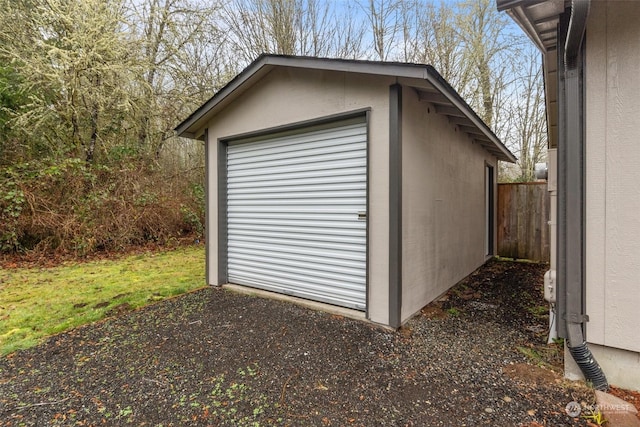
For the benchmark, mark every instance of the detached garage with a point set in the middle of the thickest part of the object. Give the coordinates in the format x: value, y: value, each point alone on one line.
x: 367, y: 185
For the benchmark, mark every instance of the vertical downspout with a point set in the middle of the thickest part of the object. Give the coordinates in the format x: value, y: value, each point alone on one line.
x: 571, y: 198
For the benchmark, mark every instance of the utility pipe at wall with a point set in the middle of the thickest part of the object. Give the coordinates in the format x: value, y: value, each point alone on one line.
x: 550, y: 276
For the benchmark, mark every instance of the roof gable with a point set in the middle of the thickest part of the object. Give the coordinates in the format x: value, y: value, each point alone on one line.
x: 434, y: 90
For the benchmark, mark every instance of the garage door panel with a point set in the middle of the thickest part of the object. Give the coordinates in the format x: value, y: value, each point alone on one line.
x: 345, y: 183
x: 342, y: 258
x: 287, y: 172
x: 303, y: 282
x: 303, y: 152
x: 319, y: 160
x: 345, y: 189
x: 341, y: 266
x: 294, y: 198
x: 340, y: 208
x: 289, y: 286
x: 312, y: 241
x: 302, y: 205
x: 283, y: 236
x: 311, y: 226
x: 296, y: 228
x: 307, y: 186
x: 292, y: 143
x: 307, y: 281
x: 297, y: 265
x: 293, y: 206
x: 320, y: 175
x: 244, y: 217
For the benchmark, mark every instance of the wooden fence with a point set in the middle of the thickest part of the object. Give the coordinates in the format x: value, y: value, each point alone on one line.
x: 523, y: 221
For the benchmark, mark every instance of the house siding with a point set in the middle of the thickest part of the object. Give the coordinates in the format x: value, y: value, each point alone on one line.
x: 612, y: 160
x: 443, y: 204
x: 613, y: 165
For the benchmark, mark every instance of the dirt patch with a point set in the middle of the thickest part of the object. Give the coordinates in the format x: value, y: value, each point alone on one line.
x: 120, y: 309
x: 215, y: 357
x: 530, y: 374
x: 630, y: 396
x: 433, y: 311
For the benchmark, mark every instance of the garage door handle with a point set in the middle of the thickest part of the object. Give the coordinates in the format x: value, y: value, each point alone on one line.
x: 362, y: 216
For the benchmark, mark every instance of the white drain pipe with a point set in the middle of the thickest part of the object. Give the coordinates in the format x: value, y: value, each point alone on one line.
x: 550, y: 277
x: 549, y: 171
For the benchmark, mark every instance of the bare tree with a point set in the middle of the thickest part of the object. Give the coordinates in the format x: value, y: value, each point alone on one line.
x: 431, y: 36
x: 261, y: 26
x: 385, y: 24
x: 316, y: 25
x: 347, y: 33
x: 291, y: 27
x: 525, y: 116
x: 168, y: 32
x: 482, y: 30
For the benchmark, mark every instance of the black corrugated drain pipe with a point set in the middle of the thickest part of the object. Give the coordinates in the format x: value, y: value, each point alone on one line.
x: 588, y: 365
x: 573, y: 204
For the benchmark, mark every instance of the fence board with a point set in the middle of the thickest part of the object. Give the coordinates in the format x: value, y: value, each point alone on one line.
x: 523, y: 221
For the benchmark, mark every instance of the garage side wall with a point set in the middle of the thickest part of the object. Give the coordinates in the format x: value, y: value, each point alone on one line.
x: 287, y: 96
x: 443, y: 202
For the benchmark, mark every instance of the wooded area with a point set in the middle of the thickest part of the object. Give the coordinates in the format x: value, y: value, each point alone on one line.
x: 523, y: 221
x: 90, y: 91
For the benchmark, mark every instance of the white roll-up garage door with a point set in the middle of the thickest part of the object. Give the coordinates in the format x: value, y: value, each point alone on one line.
x: 297, y: 214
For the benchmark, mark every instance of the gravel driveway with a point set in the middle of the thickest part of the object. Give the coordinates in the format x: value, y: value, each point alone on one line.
x: 215, y: 357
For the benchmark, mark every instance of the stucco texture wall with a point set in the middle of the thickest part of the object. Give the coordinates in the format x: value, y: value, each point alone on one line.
x: 286, y: 96
x: 612, y: 85
x: 443, y: 202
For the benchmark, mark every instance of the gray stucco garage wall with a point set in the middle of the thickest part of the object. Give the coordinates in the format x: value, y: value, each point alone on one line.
x: 443, y: 196
x: 289, y: 95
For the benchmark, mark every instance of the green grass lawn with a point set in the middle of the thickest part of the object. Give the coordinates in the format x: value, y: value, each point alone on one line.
x: 35, y: 303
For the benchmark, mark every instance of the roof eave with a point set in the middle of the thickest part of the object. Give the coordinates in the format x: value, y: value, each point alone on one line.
x: 460, y: 104
x: 519, y: 16
x: 192, y: 124
x: 537, y: 18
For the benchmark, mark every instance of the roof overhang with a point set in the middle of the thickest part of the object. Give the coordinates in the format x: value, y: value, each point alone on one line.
x: 538, y: 18
x: 434, y: 89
